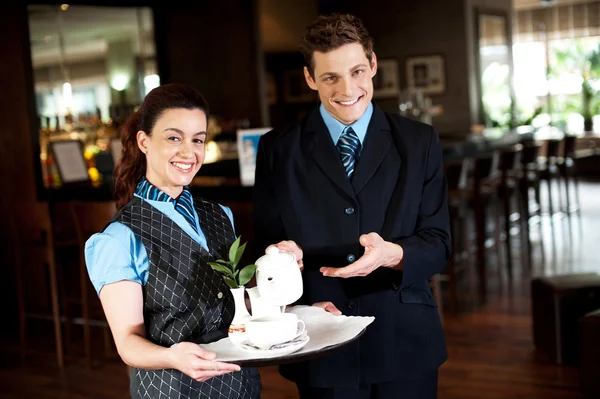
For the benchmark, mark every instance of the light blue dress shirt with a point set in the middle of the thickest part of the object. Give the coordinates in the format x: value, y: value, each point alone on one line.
x: 336, y: 128
x: 116, y: 254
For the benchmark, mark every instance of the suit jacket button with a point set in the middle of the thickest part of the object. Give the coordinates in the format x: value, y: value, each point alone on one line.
x: 350, y: 258
x: 349, y: 211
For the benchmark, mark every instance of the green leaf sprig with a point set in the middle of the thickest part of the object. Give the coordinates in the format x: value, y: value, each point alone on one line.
x: 233, y: 276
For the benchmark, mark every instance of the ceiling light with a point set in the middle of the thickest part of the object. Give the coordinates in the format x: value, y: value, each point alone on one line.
x: 119, y: 81
x: 68, y: 95
x: 64, y: 7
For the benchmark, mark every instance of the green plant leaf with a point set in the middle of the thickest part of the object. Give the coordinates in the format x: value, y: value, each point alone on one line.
x: 234, y: 248
x: 224, y: 262
x: 238, y: 255
x: 221, y: 269
x: 246, y: 274
x: 231, y: 283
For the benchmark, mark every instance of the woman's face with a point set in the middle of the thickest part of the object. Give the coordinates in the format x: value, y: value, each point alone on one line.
x: 174, y: 149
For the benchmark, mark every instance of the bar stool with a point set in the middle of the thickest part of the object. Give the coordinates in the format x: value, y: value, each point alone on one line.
x: 530, y: 180
x: 65, y: 244
x: 486, y: 182
x: 457, y: 178
x: 568, y: 170
x: 77, y: 221
x: 31, y: 231
x: 510, y: 168
x: 549, y: 171
x: 91, y: 217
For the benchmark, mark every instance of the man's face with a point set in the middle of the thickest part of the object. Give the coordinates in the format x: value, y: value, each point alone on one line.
x: 344, y: 79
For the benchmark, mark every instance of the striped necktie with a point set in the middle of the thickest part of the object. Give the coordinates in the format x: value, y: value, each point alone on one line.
x: 184, y: 204
x: 349, y: 147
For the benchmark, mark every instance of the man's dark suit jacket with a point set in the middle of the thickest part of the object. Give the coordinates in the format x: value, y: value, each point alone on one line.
x: 398, y: 190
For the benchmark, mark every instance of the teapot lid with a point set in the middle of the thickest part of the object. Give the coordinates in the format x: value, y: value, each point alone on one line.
x: 275, y: 258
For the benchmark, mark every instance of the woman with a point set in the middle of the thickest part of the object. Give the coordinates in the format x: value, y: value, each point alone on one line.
x: 149, y: 266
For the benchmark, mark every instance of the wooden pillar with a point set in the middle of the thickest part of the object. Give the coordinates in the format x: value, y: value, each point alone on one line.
x: 17, y: 116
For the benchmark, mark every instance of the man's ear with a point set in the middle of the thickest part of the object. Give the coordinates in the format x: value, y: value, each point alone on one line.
x: 373, y: 64
x: 309, y: 80
x: 142, y: 141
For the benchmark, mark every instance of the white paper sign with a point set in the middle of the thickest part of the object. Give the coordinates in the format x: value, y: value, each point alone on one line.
x: 70, y: 161
x: 247, y: 144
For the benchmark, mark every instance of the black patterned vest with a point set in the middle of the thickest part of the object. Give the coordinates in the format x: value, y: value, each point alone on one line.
x: 185, y: 300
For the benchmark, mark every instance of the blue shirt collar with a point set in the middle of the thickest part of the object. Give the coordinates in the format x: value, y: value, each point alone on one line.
x: 336, y: 127
x: 184, y: 204
x: 148, y: 191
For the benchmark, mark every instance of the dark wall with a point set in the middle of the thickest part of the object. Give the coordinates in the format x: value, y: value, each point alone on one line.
x: 212, y: 45
x: 284, y: 112
x: 405, y: 28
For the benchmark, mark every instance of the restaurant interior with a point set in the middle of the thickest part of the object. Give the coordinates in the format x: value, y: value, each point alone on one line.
x: 511, y: 86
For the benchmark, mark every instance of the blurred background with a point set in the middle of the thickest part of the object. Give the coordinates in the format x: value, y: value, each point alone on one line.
x: 511, y: 86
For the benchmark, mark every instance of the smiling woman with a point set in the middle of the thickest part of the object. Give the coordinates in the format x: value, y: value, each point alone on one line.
x: 169, y: 128
x: 150, y: 266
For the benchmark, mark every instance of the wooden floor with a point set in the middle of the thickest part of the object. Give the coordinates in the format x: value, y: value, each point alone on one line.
x: 491, y: 354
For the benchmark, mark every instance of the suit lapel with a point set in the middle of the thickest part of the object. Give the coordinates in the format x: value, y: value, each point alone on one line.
x: 377, y: 144
x: 317, y: 142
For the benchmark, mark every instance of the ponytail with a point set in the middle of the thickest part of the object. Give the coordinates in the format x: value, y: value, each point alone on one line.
x: 132, y: 165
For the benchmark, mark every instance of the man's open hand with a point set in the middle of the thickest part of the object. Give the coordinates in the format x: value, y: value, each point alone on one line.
x: 377, y: 253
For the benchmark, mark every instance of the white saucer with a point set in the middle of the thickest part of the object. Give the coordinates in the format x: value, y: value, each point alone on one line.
x: 277, y: 350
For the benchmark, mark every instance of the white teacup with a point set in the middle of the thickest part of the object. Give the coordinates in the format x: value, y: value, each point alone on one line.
x: 266, y: 331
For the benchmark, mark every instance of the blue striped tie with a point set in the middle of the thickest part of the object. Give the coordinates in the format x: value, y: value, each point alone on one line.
x: 348, y: 146
x: 184, y: 204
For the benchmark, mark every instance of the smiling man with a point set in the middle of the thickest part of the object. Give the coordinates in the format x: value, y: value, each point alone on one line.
x: 360, y: 195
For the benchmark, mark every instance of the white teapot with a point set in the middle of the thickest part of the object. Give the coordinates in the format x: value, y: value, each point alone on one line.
x: 278, y: 282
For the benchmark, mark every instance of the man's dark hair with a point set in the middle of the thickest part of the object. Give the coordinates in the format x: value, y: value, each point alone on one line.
x: 330, y: 32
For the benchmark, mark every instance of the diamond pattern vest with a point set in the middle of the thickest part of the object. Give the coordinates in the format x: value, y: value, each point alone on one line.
x: 185, y: 300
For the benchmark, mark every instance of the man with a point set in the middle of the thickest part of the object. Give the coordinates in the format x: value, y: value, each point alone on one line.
x: 363, y: 194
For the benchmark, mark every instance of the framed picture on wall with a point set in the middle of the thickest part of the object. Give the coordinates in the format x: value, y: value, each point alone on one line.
x: 385, y: 81
x: 296, y: 89
x: 69, y: 159
x: 426, y: 74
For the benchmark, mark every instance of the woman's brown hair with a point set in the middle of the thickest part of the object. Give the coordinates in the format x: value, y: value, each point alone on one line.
x: 132, y: 165
x: 330, y: 32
